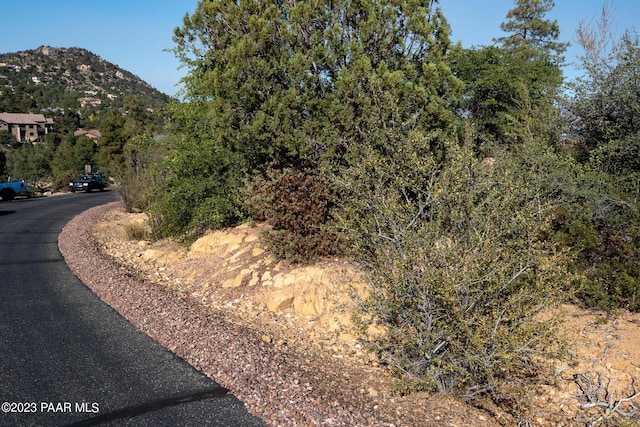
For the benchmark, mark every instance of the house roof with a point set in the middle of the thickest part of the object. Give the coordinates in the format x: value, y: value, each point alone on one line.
x: 90, y: 133
x: 24, y: 119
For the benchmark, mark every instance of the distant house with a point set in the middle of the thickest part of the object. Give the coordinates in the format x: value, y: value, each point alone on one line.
x: 10, y: 67
x: 90, y: 101
x: 92, y: 134
x: 26, y: 127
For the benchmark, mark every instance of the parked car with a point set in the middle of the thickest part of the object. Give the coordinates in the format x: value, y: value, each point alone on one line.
x: 87, y: 183
x: 9, y: 190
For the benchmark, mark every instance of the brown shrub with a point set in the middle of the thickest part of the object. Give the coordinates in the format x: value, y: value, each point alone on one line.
x: 298, y: 204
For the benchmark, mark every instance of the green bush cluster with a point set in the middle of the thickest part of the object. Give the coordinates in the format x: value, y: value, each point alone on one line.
x: 464, y: 254
x: 597, y: 216
x: 189, y: 206
x: 460, y: 270
x: 298, y: 205
x: 602, y: 229
x: 62, y: 180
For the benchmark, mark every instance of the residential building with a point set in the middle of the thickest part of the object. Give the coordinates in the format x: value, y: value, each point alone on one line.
x: 26, y: 127
x: 92, y: 134
x: 90, y: 101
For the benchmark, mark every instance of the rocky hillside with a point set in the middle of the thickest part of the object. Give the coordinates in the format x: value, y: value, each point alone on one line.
x: 48, y: 77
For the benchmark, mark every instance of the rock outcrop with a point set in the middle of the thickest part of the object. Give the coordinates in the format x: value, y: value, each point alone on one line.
x: 321, y: 292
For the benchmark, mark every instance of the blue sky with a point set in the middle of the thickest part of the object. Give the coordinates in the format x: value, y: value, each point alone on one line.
x: 477, y: 23
x: 134, y: 34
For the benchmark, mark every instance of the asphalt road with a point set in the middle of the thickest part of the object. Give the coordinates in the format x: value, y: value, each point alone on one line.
x: 66, y: 358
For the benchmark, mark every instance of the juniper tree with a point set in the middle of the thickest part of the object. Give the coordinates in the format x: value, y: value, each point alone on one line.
x: 295, y: 83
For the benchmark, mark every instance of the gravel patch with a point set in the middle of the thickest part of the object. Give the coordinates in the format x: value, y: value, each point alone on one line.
x: 282, y: 389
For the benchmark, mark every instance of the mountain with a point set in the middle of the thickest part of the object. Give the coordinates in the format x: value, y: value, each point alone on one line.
x: 51, y: 78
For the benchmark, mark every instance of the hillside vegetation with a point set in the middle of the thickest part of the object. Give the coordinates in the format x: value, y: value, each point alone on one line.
x: 50, y: 78
x: 475, y: 187
x: 77, y: 89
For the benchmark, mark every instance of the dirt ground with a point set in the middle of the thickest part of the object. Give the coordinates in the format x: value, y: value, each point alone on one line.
x: 600, y: 383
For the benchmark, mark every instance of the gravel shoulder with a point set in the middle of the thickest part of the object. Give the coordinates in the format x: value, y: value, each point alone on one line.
x: 280, y: 386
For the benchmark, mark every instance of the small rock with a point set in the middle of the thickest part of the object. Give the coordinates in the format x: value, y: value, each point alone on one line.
x: 257, y: 251
x: 267, y: 339
x: 254, y: 279
x: 233, y: 282
x: 279, y: 300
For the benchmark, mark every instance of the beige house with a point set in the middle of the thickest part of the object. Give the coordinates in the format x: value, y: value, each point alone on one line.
x: 90, y: 101
x: 26, y: 127
x: 92, y: 134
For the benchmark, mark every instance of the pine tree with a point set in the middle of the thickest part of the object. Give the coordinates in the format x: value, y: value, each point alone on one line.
x: 112, y: 141
x: 529, y: 29
x: 512, y: 89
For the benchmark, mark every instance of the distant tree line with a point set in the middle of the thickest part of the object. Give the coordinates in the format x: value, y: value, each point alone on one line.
x: 61, y: 155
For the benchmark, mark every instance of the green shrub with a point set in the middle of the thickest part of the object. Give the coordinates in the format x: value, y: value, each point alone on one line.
x: 598, y: 219
x: 298, y: 204
x: 197, y: 189
x: 613, y: 272
x: 190, y: 205
x: 459, y: 268
x: 62, y: 180
x: 137, y: 178
x: 614, y: 192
